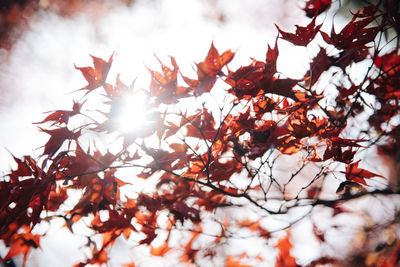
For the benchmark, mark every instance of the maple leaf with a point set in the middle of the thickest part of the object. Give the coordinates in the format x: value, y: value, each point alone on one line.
x: 223, y: 171
x: 320, y: 63
x: 25, y: 167
x: 282, y: 87
x: 77, y: 164
x: 62, y: 116
x: 353, y: 36
x: 263, y: 105
x: 303, y: 35
x: 161, y: 250
x: 271, y: 58
x: 213, y: 63
x: 119, y: 90
x: 147, y: 220
x: 98, y: 193
x: 202, y: 125
x: 336, y: 153
x: 22, y: 244
x: 118, y: 223
x: 352, y: 40
x: 150, y: 235
x: 258, y: 78
x: 29, y: 195
x: 164, y: 85
x: 97, y: 75
x: 57, y: 138
x: 244, y: 80
x: 208, y: 70
x: 183, y: 212
x: 358, y: 175
x: 301, y: 126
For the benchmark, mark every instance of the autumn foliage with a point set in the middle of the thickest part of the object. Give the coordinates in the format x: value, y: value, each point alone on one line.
x: 223, y: 152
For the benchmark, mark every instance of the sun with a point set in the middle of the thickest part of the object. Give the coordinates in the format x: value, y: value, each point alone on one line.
x: 133, y: 112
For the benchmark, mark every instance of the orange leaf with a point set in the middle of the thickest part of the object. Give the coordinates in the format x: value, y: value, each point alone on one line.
x: 358, y: 175
x: 284, y: 258
x: 22, y: 244
x: 161, y: 250
x: 213, y: 63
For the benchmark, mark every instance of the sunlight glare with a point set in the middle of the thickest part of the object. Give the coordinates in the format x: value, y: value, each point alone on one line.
x: 132, y: 116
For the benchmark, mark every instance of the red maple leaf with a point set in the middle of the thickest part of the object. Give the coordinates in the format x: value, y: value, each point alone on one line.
x: 62, y: 116
x: 165, y: 86
x: 96, y: 76
x: 57, y: 138
x: 258, y: 78
x: 208, y: 70
x: 354, y: 35
x: 320, y: 63
x: 358, y: 175
x: 303, y: 35
x: 213, y: 63
x: 25, y: 167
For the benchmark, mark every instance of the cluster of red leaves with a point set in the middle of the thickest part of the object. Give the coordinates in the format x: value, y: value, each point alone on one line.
x: 199, y: 155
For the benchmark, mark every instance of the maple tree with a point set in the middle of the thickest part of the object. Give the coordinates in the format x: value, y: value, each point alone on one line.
x: 210, y: 167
